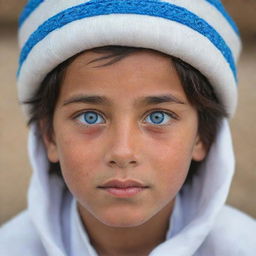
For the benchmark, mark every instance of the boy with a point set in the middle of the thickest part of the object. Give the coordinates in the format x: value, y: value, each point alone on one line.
x: 129, y: 141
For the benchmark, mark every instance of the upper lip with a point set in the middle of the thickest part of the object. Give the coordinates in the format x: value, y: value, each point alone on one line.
x: 122, y: 184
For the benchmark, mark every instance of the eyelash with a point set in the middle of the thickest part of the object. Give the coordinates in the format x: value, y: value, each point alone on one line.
x: 171, y: 115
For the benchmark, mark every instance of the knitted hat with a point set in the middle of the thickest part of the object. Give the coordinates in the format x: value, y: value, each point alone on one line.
x: 200, y: 32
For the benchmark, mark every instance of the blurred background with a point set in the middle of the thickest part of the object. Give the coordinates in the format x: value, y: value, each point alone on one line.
x: 15, y: 170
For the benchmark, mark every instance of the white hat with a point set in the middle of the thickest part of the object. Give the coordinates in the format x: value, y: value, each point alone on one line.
x: 200, y: 32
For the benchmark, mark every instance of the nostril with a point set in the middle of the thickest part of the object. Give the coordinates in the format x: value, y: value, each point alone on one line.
x: 123, y: 163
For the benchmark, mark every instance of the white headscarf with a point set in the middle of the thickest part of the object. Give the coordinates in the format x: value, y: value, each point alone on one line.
x: 53, y: 210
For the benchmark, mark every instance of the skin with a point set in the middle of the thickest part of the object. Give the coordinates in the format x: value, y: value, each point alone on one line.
x: 124, y: 144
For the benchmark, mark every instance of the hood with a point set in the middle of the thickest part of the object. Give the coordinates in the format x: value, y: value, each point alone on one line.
x: 53, y: 212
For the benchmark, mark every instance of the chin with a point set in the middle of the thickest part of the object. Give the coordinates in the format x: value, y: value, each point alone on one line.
x: 123, y: 220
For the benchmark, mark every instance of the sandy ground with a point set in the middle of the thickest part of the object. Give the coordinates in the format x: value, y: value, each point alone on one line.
x: 14, y: 166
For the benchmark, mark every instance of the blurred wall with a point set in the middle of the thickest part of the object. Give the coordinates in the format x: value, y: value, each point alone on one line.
x: 9, y: 10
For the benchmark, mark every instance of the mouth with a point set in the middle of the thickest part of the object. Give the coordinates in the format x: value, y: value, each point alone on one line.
x: 123, y: 189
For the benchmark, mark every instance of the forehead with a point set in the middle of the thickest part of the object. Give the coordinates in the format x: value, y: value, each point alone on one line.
x: 139, y: 73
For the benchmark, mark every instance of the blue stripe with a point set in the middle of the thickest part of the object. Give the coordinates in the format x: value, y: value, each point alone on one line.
x: 33, y: 4
x: 28, y: 9
x: 140, y: 7
x: 220, y: 7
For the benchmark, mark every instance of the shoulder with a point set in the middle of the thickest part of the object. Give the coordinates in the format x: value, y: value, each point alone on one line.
x: 234, y: 233
x: 19, y: 237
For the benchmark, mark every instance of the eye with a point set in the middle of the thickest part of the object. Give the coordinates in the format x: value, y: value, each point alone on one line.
x: 159, y: 117
x: 90, y: 118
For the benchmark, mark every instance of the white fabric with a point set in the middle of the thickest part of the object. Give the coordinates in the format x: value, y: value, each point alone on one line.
x: 146, y: 31
x: 200, y: 224
x: 123, y: 30
x: 50, y: 8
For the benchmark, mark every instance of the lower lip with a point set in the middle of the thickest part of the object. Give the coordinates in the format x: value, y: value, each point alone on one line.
x: 124, y: 192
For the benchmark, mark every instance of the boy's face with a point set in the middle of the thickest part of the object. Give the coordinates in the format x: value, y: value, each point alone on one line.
x: 124, y: 137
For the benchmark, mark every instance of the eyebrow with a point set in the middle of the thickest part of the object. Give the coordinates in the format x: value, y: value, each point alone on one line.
x: 102, y: 100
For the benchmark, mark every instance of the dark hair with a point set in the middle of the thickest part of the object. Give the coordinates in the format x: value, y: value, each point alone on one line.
x: 197, y: 88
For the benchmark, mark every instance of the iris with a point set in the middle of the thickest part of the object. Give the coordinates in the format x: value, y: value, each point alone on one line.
x: 90, y: 117
x: 157, y: 117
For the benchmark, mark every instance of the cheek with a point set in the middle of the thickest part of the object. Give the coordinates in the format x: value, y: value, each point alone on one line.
x: 79, y: 161
x: 171, y: 159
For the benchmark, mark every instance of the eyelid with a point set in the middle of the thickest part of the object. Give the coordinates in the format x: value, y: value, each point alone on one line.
x: 78, y: 114
x: 165, y: 111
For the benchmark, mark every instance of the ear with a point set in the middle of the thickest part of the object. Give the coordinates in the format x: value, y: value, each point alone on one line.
x: 49, y: 142
x: 199, y: 150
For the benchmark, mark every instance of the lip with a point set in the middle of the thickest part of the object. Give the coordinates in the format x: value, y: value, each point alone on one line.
x: 122, y: 184
x: 123, y: 189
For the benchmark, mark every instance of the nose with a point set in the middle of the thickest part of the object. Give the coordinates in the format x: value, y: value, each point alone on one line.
x: 122, y: 148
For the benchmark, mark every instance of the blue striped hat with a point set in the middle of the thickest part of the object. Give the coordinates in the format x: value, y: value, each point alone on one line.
x: 200, y: 32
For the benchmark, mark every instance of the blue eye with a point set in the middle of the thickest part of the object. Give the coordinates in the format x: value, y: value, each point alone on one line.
x: 158, y: 117
x: 90, y: 117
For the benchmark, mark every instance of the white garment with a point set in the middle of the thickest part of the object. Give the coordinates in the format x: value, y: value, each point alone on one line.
x: 201, y: 225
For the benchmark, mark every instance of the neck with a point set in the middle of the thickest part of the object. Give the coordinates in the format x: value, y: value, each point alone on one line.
x: 139, y: 240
